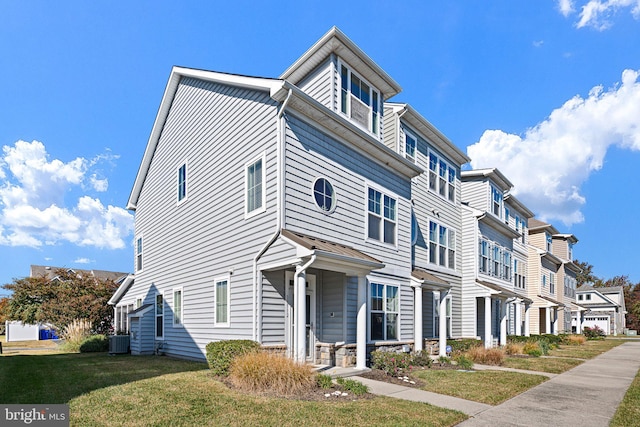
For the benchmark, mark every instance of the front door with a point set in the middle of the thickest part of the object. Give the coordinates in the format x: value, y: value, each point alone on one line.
x: 310, y: 304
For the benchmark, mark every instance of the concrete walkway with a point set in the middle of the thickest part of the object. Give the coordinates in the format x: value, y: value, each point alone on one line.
x: 586, y: 396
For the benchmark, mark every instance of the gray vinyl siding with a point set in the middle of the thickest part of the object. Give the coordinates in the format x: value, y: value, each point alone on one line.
x: 407, y: 300
x: 320, y: 83
x: 273, y: 308
x: 476, y: 194
x: 278, y: 252
x: 216, y: 129
x: 332, y: 307
x: 352, y: 308
x: 469, y: 289
x: 389, y: 135
x: 311, y: 154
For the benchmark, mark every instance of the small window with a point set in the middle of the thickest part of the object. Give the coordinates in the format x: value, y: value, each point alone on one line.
x: 255, y: 194
x: 159, y: 316
x: 221, y: 302
x: 496, y: 196
x: 359, y: 101
x: 324, y: 195
x: 139, y: 254
x: 182, y: 183
x: 177, y: 307
x: 549, y: 241
x: 580, y: 297
x: 410, y: 146
x: 587, y: 297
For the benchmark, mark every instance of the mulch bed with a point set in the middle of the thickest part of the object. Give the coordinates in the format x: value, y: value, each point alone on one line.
x: 379, y: 375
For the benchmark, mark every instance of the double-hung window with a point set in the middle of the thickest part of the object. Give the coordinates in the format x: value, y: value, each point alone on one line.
x: 441, y: 245
x: 384, y: 312
x: 410, y: 146
x: 484, y: 256
x: 254, y: 186
x: 177, y: 307
x: 497, y: 261
x: 359, y: 101
x: 496, y: 206
x: 139, y: 254
x: 549, y: 241
x: 159, y: 316
x: 222, y: 300
x: 182, y: 182
x: 382, y: 217
x: 570, y: 251
x: 433, y: 172
x: 507, y: 265
x: 552, y: 283
x: 442, y: 177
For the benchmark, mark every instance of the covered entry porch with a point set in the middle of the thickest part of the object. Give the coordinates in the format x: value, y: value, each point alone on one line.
x: 312, y: 300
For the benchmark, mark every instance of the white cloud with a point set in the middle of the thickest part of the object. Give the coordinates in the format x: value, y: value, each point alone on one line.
x: 566, y: 7
x: 598, y: 13
x: 32, y: 201
x: 551, y: 161
x: 538, y: 43
x: 83, y: 261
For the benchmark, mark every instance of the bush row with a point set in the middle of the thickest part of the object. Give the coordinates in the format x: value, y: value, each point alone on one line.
x: 393, y: 363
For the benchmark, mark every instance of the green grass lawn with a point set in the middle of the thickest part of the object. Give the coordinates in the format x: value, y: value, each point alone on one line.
x: 491, y: 387
x: 588, y: 350
x: 127, y: 390
x: 628, y: 413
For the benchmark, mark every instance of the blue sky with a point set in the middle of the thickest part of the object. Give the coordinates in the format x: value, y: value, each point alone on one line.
x: 547, y: 91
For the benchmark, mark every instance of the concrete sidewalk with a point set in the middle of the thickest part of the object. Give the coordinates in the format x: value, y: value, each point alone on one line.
x: 587, y: 395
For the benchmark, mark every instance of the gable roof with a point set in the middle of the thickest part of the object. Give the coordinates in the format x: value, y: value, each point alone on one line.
x: 513, y: 201
x: 50, y: 273
x: 335, y: 41
x: 492, y: 173
x: 536, y: 225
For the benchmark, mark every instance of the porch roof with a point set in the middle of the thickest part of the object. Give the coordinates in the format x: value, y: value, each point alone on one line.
x: 140, y: 311
x: 332, y: 251
x: 497, y: 289
x: 427, y: 278
x: 551, y: 300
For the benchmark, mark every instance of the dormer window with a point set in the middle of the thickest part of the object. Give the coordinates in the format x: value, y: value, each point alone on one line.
x: 549, y: 241
x: 410, y: 146
x: 359, y: 101
x: 570, y: 251
x: 496, y: 205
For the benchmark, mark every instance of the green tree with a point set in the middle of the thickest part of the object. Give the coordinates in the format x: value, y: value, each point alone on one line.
x: 69, y: 296
x: 586, y: 276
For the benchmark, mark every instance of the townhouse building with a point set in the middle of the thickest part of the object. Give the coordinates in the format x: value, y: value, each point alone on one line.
x: 495, y: 301
x: 602, y: 307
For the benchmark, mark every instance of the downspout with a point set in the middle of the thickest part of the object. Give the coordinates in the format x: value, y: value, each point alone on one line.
x: 257, y: 290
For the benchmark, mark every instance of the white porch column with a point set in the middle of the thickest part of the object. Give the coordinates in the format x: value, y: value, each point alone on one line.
x: 417, y: 315
x: 554, y: 320
x: 518, y: 318
x: 361, y: 328
x: 442, y: 331
x: 579, y: 322
x: 487, y: 322
x: 527, y: 315
x: 301, y: 315
x: 503, y: 322
x: 547, y: 320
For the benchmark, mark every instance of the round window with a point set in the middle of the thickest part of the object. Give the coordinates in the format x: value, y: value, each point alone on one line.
x: 324, y: 195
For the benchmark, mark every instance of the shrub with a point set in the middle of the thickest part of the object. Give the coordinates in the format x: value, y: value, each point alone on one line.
x: 324, y: 381
x: 220, y: 354
x: 390, y: 362
x: 422, y: 358
x: 261, y: 371
x: 532, y: 348
x: 576, y: 339
x: 486, y: 356
x: 75, y: 333
x: 444, y: 360
x: 355, y: 387
x: 95, y: 344
x: 594, y: 333
x: 514, y: 348
x: 553, y: 341
x: 464, y: 362
x: 463, y: 345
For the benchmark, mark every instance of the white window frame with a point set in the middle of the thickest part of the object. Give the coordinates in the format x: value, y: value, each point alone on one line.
x: 500, y: 202
x: 441, y: 181
x: 139, y: 252
x: 552, y: 282
x: 375, y: 118
x: 570, y: 251
x: 181, y: 187
x: 138, y: 303
x: 159, y: 315
x: 381, y: 216
x: 263, y: 197
x: 580, y: 297
x: 408, y: 135
x: 332, y: 208
x: 386, y: 311
x: 448, y: 248
x: 548, y: 239
x: 226, y: 323
x: 180, y: 317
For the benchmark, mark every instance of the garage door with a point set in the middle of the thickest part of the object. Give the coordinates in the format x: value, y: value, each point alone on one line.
x: 600, y: 321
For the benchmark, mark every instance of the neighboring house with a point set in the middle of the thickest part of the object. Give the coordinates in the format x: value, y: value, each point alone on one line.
x: 544, y: 268
x: 269, y: 209
x: 435, y: 228
x: 605, y: 308
x: 494, y: 298
x: 567, y: 279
